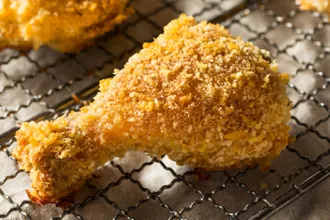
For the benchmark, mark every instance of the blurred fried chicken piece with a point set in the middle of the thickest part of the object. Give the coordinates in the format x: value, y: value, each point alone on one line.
x: 319, y: 5
x: 66, y: 25
x: 197, y: 94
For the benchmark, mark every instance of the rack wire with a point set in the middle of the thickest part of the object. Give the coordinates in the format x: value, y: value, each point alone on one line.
x: 45, y: 84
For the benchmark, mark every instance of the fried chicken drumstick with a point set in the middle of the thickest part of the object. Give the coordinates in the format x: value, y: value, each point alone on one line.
x: 197, y: 94
x: 66, y: 25
x: 319, y: 5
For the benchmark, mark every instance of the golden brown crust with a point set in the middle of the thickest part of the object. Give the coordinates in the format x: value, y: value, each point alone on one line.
x: 197, y: 94
x: 319, y: 5
x: 66, y: 25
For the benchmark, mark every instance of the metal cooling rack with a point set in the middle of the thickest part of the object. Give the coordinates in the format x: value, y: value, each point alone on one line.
x: 44, y: 83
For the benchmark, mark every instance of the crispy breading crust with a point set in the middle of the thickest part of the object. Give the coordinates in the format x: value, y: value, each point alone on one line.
x: 319, y: 5
x: 66, y: 25
x: 196, y: 93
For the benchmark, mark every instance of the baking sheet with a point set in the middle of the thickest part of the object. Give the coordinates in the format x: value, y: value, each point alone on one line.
x: 139, y: 186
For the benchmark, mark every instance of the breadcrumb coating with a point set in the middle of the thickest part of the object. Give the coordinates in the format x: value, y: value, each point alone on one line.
x: 197, y: 94
x: 319, y: 5
x: 66, y: 25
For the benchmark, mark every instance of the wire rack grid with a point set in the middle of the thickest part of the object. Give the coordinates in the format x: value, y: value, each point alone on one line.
x: 45, y: 84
